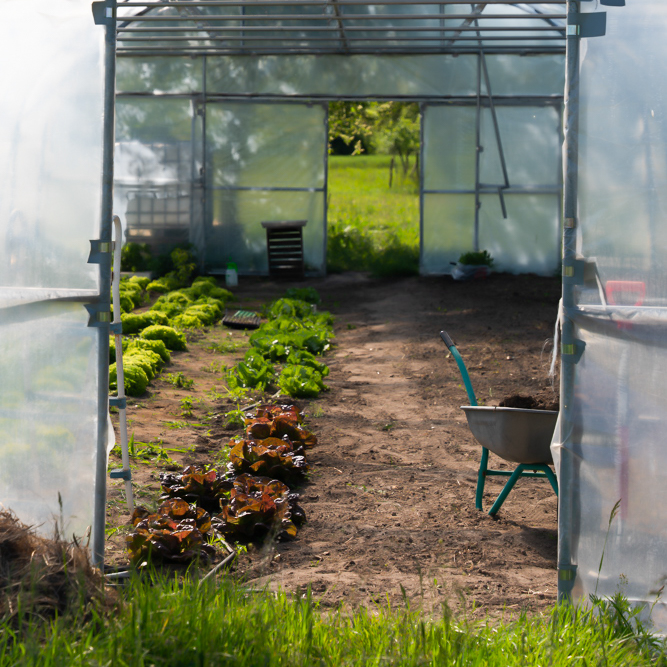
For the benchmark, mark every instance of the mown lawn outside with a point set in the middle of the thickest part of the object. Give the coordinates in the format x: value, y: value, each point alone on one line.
x: 372, y: 227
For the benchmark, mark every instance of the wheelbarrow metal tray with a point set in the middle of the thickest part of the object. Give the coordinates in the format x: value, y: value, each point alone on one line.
x: 514, y: 434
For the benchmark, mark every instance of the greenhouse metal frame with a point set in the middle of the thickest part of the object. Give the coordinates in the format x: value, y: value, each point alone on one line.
x: 390, y: 35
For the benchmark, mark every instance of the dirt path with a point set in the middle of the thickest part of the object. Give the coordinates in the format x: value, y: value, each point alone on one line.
x: 390, y: 501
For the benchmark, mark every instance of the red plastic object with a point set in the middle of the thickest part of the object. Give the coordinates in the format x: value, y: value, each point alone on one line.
x: 635, y: 287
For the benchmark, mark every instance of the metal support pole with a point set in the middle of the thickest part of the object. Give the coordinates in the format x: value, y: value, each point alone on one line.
x: 326, y: 186
x: 566, y: 513
x: 206, y: 222
x: 105, y: 288
x: 478, y: 150
x: 422, y: 118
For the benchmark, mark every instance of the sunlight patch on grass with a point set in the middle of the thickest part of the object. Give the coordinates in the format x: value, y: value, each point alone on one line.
x: 371, y: 227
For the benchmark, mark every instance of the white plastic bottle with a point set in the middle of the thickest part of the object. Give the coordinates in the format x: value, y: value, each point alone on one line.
x: 231, y: 275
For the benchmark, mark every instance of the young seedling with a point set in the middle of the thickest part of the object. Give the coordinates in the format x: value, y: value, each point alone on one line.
x: 234, y: 418
x: 179, y: 380
x: 176, y: 424
x: 226, y: 346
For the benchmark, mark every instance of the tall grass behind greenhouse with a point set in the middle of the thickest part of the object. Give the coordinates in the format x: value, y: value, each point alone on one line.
x: 371, y: 227
x: 183, y: 623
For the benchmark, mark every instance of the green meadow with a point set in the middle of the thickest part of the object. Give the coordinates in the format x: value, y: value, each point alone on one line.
x: 372, y: 227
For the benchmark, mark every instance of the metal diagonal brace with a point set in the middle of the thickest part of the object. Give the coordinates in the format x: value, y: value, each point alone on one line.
x: 476, y: 10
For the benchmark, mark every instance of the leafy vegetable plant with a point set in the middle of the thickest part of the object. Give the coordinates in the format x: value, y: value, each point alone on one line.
x: 196, y: 485
x: 259, y: 506
x: 482, y: 258
x: 301, y: 381
x: 254, y: 372
x: 177, y: 532
x: 272, y: 457
x: 278, y: 421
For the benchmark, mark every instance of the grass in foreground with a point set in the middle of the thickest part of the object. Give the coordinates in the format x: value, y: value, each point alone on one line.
x: 371, y: 227
x: 172, y: 623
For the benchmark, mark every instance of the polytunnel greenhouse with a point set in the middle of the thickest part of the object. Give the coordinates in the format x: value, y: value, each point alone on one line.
x: 196, y: 121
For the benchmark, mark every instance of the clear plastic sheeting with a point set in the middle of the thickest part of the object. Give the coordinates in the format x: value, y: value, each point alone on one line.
x: 333, y: 27
x: 622, y: 140
x: 236, y: 231
x: 528, y: 239
x: 157, y: 161
x: 447, y: 231
x: 265, y: 162
x: 49, y: 145
x: 449, y: 147
x: 615, y: 440
x: 335, y: 75
x: 530, y: 140
x: 521, y: 75
x: 159, y: 74
x: 266, y: 145
x: 50, y: 189
x: 612, y: 444
x: 348, y: 76
x: 48, y: 414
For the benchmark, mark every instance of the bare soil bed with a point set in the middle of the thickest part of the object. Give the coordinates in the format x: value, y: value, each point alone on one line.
x: 390, y: 499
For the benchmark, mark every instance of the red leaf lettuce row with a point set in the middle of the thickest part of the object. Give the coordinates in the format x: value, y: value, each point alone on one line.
x: 259, y: 506
x: 196, y: 485
x: 175, y: 533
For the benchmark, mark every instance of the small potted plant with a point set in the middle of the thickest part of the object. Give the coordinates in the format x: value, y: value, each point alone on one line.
x: 472, y: 265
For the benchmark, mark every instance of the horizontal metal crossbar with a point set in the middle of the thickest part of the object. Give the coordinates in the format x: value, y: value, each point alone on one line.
x: 324, y: 3
x: 247, y: 18
x: 340, y: 50
x: 336, y: 26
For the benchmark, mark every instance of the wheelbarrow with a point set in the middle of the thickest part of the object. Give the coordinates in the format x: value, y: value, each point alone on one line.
x: 514, y: 434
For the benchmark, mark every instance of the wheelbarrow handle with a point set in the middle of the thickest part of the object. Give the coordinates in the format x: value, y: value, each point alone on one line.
x: 462, y: 367
x: 447, y: 339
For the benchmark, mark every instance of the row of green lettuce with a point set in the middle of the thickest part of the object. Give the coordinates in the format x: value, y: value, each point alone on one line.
x: 284, y: 350
x: 151, y: 336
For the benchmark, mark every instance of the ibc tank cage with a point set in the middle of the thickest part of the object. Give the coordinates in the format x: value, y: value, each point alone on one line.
x: 222, y: 121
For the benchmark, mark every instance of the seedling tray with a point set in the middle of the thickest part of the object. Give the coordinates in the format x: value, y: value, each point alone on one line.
x: 242, y: 319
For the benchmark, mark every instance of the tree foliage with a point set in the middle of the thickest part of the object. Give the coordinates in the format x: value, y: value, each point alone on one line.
x: 389, y: 128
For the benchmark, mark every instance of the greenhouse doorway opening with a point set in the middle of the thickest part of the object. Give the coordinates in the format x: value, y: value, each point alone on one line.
x: 373, y: 185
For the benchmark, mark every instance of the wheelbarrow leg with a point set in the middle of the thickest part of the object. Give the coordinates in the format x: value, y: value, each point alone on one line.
x: 481, y: 477
x: 514, y: 477
x: 552, y: 479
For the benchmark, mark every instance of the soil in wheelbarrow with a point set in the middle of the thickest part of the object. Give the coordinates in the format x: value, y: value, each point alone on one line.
x: 548, y: 402
x: 390, y: 499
